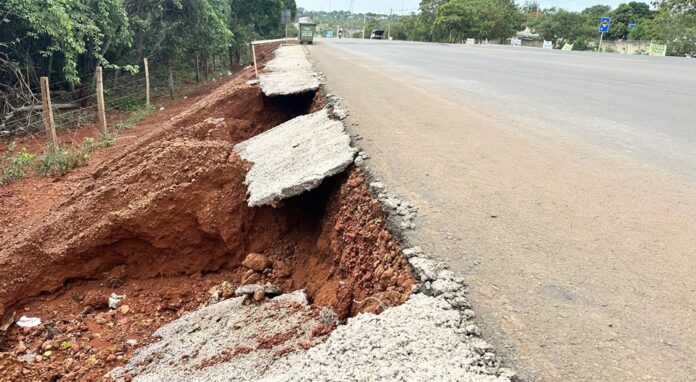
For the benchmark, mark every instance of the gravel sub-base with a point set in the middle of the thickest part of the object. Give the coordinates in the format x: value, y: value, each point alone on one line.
x: 416, y: 341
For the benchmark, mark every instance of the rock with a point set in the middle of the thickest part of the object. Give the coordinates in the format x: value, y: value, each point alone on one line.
x: 425, y: 269
x: 21, y: 348
x: 47, y: 345
x: 298, y: 297
x: 441, y: 286
x: 272, y: 290
x: 377, y: 185
x: 259, y: 295
x: 254, y: 278
x: 256, y: 262
x: 473, y: 330
x: 132, y: 342
x: 247, y: 290
x: 328, y: 316
x: 124, y: 309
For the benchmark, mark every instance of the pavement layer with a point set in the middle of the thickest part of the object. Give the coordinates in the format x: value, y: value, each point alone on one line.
x: 576, y: 234
x: 295, y: 157
x: 288, y: 73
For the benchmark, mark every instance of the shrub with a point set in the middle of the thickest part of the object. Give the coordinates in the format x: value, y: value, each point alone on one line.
x: 59, y: 161
x: 15, y: 164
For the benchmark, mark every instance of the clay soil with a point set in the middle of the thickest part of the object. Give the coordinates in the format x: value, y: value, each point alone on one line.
x: 162, y: 218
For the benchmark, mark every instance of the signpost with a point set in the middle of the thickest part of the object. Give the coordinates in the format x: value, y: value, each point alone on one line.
x: 287, y: 19
x: 470, y: 41
x: 603, y: 28
x: 515, y: 41
x: 547, y: 45
x: 632, y: 26
x: 567, y: 46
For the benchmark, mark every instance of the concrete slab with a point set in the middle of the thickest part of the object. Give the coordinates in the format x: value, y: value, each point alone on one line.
x: 289, y: 73
x: 295, y: 157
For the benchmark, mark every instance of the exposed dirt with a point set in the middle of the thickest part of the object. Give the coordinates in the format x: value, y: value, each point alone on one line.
x: 164, y: 219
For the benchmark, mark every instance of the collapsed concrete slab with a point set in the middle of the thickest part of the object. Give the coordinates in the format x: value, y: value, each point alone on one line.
x: 289, y: 73
x: 294, y: 157
x: 227, y: 341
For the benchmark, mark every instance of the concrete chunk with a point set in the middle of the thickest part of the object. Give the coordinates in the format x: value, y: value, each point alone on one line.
x: 289, y: 73
x: 294, y: 157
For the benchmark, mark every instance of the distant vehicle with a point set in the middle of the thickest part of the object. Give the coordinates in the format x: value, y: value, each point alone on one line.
x: 377, y: 34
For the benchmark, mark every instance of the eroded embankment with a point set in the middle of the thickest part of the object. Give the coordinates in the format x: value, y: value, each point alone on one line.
x: 168, y: 219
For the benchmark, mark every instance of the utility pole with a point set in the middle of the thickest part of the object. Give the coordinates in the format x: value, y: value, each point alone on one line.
x: 389, y: 30
x: 364, y: 25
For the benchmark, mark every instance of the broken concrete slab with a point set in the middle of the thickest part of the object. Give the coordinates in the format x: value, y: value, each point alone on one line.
x: 294, y: 157
x: 290, y: 72
x: 227, y: 341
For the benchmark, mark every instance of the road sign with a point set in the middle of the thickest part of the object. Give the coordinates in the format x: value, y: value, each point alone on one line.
x: 329, y: 34
x: 657, y: 50
x: 547, y: 45
x: 515, y: 41
x: 567, y: 46
x: 287, y: 16
x: 632, y: 26
x: 470, y: 41
x: 604, y: 24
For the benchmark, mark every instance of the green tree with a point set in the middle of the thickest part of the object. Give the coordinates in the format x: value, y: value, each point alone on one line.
x: 459, y: 19
x: 595, y: 13
x: 625, y: 14
x: 561, y: 26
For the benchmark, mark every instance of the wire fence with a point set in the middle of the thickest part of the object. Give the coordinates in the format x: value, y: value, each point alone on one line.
x: 76, y: 106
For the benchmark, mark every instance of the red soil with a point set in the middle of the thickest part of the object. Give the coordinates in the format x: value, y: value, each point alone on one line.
x: 161, y: 217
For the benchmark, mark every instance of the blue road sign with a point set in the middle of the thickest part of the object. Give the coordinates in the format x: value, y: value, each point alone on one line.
x: 329, y: 34
x: 631, y: 26
x: 604, y: 24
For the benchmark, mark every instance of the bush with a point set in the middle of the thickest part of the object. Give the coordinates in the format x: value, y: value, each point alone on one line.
x: 15, y: 164
x: 60, y: 161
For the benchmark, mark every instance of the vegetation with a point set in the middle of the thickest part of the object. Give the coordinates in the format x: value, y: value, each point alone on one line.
x: 672, y: 22
x: 15, y: 164
x: 66, y: 39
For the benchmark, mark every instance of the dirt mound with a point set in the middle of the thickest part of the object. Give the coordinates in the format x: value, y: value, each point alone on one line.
x: 170, y: 215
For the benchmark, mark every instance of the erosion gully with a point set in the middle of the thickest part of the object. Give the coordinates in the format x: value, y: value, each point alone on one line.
x: 165, y: 223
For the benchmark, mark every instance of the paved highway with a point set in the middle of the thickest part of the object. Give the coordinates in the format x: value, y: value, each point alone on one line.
x: 561, y: 185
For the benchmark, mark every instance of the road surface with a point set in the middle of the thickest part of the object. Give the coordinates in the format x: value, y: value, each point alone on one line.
x: 561, y: 185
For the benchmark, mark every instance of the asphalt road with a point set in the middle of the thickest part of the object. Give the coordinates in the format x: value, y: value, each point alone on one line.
x: 561, y: 185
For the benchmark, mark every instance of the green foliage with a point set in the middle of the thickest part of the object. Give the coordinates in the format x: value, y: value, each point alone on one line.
x: 627, y: 13
x: 61, y: 160
x: 561, y: 26
x: 77, y: 31
x: 136, y: 116
x: 15, y: 164
x: 127, y: 103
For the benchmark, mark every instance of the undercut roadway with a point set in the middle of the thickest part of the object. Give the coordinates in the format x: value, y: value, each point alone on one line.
x: 560, y: 185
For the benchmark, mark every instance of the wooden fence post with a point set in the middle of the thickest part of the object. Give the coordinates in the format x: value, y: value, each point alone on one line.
x: 253, y: 52
x: 171, y: 84
x: 147, y: 83
x: 100, y: 102
x: 47, y: 114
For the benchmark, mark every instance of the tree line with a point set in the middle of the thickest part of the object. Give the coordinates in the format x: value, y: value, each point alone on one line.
x: 66, y: 39
x: 672, y: 22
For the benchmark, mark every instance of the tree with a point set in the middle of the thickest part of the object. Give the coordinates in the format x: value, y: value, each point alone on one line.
x: 459, y: 19
x: 625, y: 14
x: 595, y: 13
x: 562, y: 26
x: 675, y: 25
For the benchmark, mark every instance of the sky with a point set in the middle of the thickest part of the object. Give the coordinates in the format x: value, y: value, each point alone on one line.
x: 383, y: 6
